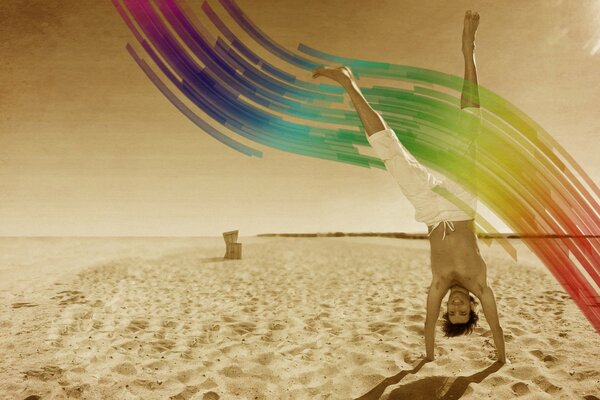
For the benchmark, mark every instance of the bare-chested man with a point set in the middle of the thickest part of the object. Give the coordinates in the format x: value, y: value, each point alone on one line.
x: 456, y: 264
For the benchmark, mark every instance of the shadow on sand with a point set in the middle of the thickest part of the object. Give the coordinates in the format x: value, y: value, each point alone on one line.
x: 378, y: 390
x: 430, y: 388
x: 213, y: 259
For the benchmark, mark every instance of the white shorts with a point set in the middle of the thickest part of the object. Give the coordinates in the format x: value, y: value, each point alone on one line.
x: 435, y: 200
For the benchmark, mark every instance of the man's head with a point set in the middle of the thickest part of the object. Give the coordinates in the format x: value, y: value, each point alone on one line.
x: 460, y: 317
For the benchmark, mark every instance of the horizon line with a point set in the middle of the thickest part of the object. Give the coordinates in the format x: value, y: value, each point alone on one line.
x: 407, y: 235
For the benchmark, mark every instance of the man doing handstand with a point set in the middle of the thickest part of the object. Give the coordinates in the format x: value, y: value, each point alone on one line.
x: 456, y: 263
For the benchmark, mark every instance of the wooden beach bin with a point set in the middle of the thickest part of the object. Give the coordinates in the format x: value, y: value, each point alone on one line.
x: 233, y: 250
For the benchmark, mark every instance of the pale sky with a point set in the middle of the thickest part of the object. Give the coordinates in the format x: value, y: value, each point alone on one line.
x: 89, y: 147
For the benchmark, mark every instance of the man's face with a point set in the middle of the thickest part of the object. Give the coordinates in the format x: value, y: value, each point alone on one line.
x: 459, y: 307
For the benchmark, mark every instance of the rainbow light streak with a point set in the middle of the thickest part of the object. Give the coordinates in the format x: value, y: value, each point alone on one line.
x: 522, y: 174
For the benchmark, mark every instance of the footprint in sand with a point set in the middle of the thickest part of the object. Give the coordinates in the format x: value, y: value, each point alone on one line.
x: 128, y: 345
x: 195, y: 342
x: 156, y: 365
x: 137, y: 325
x: 265, y: 358
x: 520, y: 388
x: 163, y: 345
x: 185, y: 376
x: 125, y: 368
x: 268, y: 337
x: 358, y: 359
x: 208, y: 384
x: 277, y: 325
x: 76, y: 391
x: 523, y: 372
x: 244, y: 327
x: 546, y: 385
x: 357, y: 337
x: 186, y: 393
x: 212, y: 327
x: 45, y: 373
x: 21, y: 305
x: 548, y: 359
x: 169, y: 324
x: 327, y: 325
x: 416, y: 317
x: 148, y: 384
x: 418, y: 329
x: 410, y: 358
x: 531, y: 341
x: 159, y: 334
x: 307, y: 355
x: 67, y: 297
x: 232, y: 371
x: 379, y: 327
x: 324, y: 314
x: 210, y: 396
x: 188, y: 354
x: 310, y: 325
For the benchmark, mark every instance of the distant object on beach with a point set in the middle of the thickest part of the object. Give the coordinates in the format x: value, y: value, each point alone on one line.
x: 233, y: 250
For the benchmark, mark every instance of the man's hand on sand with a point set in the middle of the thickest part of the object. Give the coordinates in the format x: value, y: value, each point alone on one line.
x: 505, y: 361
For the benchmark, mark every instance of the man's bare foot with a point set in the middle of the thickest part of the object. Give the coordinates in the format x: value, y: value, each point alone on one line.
x: 341, y: 75
x: 469, y: 28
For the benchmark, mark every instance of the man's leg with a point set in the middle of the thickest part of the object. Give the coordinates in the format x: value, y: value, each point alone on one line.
x: 470, y: 121
x: 470, y: 93
x: 414, y: 179
x: 371, y: 120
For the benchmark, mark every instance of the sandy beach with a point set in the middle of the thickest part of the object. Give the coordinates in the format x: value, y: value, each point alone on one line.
x: 296, y: 318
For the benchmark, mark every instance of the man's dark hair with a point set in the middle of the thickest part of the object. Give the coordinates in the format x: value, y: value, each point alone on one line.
x: 452, y: 330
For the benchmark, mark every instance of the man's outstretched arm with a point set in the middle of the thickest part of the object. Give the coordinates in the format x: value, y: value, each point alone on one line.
x: 434, y: 301
x: 470, y: 92
x: 488, y: 303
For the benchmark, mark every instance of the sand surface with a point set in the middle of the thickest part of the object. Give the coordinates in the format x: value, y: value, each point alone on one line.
x: 296, y: 318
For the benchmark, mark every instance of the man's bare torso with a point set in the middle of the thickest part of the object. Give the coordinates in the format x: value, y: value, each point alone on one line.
x: 455, y: 258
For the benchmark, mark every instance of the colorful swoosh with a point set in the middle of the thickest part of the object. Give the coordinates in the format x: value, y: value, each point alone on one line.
x: 222, y: 84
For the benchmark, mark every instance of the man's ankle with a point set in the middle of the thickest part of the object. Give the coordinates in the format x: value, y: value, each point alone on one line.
x: 468, y: 50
